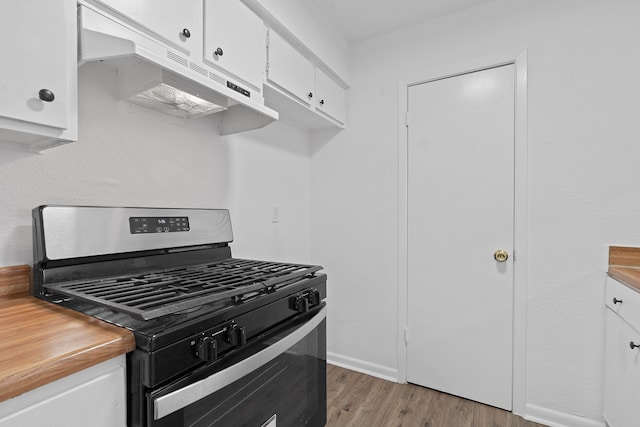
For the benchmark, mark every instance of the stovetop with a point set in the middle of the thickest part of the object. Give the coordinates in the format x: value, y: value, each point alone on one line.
x: 165, y: 291
x: 160, y: 331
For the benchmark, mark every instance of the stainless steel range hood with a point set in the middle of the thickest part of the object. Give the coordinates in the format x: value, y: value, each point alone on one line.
x: 154, y: 76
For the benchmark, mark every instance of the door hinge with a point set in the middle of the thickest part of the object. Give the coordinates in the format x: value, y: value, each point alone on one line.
x: 406, y: 118
x: 406, y: 335
x: 266, y: 68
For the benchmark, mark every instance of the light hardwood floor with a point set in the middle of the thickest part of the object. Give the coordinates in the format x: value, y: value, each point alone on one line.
x: 359, y: 400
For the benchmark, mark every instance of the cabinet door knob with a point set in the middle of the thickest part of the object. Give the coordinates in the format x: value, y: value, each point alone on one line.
x: 186, y: 33
x: 46, y: 95
x: 218, y: 52
x: 310, y: 95
x: 634, y: 345
x: 617, y: 301
x: 322, y: 102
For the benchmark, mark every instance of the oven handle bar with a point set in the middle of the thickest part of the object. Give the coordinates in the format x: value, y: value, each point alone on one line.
x: 185, y: 396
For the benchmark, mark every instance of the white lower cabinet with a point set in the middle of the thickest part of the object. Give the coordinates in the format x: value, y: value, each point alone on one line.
x: 93, y: 397
x: 622, y: 366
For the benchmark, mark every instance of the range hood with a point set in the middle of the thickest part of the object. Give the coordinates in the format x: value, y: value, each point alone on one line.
x: 156, y: 77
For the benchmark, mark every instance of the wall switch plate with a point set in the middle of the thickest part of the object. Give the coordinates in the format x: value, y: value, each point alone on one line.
x: 275, y: 213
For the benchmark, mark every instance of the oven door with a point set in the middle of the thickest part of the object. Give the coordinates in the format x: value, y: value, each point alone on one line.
x: 276, y: 381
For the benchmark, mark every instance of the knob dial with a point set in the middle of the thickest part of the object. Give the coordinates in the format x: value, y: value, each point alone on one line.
x: 236, y: 335
x: 300, y: 303
x: 46, y: 95
x: 314, y: 297
x: 207, y: 349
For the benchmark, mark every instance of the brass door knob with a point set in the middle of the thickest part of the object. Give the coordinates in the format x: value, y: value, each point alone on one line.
x: 500, y: 255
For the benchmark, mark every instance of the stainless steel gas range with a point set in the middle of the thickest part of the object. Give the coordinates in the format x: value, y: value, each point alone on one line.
x: 220, y: 341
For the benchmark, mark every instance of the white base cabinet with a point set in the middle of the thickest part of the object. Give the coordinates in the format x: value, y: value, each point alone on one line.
x: 93, y: 397
x: 622, y: 365
x: 38, y: 77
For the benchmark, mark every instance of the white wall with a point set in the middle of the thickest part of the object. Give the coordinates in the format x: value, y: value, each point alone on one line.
x: 128, y: 158
x: 583, y: 159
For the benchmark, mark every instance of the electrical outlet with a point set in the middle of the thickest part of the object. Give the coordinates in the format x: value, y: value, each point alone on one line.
x: 275, y: 213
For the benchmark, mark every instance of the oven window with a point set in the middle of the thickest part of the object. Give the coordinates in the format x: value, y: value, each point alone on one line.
x: 290, y: 390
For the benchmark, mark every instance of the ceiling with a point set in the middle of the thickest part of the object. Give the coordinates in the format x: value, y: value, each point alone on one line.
x: 363, y: 19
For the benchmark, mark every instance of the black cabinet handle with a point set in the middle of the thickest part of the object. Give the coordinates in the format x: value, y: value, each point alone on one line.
x: 634, y: 345
x: 46, y: 95
x: 186, y: 33
x: 322, y: 102
x: 617, y: 301
x: 310, y: 95
x: 218, y: 52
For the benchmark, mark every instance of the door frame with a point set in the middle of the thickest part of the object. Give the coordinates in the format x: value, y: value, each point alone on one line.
x: 520, y: 253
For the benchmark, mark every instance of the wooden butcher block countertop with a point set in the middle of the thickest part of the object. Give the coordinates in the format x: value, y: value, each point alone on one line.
x: 624, y: 265
x: 41, y: 342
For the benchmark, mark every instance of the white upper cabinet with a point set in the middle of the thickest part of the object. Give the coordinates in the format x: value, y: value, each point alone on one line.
x: 177, y: 23
x: 331, y: 97
x: 289, y: 70
x: 38, y: 77
x: 234, y: 41
x: 299, y: 89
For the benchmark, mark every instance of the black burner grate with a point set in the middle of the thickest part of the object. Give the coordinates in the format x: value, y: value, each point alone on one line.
x: 158, y: 293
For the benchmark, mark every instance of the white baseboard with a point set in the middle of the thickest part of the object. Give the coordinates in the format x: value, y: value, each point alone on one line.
x: 363, y: 367
x: 552, y: 418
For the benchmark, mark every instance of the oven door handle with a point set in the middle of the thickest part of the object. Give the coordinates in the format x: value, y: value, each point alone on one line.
x: 179, y: 399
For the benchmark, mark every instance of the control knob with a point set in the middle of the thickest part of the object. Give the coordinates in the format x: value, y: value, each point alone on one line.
x: 236, y: 335
x: 207, y: 349
x: 299, y: 303
x: 314, y: 297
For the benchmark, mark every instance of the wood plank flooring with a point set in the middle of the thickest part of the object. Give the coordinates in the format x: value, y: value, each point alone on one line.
x: 359, y: 400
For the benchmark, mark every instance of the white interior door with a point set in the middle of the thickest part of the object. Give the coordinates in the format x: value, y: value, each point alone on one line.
x: 460, y: 211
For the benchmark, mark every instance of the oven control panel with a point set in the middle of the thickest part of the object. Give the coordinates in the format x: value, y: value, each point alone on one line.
x: 158, y: 224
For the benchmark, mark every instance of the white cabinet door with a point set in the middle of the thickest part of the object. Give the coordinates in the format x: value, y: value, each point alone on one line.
x: 624, y: 301
x: 176, y: 22
x: 331, y: 98
x: 93, y: 397
x: 234, y: 40
x: 37, y: 80
x: 622, y: 373
x: 289, y: 70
